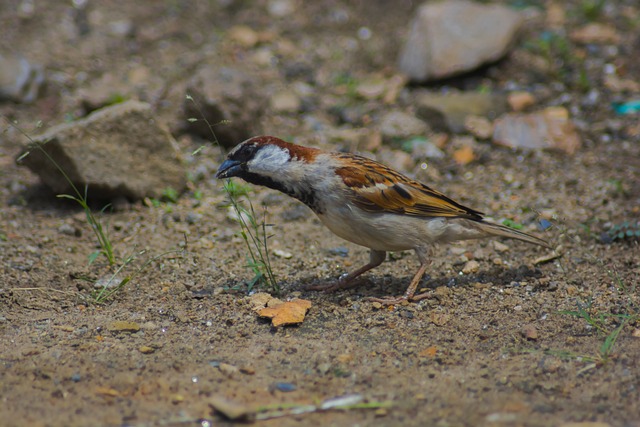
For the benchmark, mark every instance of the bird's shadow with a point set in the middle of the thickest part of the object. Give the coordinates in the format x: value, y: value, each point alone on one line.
x: 377, y: 286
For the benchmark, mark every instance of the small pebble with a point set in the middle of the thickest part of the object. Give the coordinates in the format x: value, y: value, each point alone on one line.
x: 381, y: 412
x: 406, y: 314
x: 193, y: 218
x: 471, y: 267
x: 123, y: 326
x: 145, y: 349
x: 544, y: 224
x: 479, y: 126
x: 108, y: 281
x: 500, y: 247
x: 69, y: 230
x: 243, y: 35
x: 282, y: 254
x: 284, y: 387
x: 442, y: 291
x: 230, y: 409
x: 529, y: 332
x: 339, y: 251
x: 247, y: 370
x: 455, y: 250
x: 228, y: 369
x: 519, y: 101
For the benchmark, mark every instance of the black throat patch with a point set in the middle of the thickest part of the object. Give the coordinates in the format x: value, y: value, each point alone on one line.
x: 307, y: 197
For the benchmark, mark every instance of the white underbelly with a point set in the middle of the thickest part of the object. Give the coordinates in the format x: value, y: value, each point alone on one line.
x: 393, y: 232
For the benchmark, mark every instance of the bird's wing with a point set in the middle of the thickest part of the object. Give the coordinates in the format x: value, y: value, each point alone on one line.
x: 374, y: 187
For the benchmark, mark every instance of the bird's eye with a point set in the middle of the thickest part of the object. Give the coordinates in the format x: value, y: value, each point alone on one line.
x: 245, y: 153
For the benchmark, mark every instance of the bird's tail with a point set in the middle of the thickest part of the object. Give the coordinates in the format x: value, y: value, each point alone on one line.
x: 510, y: 233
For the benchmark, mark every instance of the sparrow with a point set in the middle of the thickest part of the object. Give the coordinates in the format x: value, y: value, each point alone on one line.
x: 364, y: 202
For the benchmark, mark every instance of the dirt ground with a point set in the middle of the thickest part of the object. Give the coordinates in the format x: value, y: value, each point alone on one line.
x: 491, y: 347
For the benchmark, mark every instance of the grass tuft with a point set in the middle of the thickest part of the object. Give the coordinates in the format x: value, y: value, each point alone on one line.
x: 100, y: 231
x: 108, y: 289
x: 252, y: 231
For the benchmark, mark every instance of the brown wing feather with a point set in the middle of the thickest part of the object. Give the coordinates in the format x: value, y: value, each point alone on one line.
x: 377, y: 188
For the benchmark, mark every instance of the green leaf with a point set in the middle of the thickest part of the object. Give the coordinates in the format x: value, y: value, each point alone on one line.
x: 93, y: 256
x: 610, y: 340
x: 512, y: 224
x: 68, y: 196
x: 22, y: 156
x: 256, y: 279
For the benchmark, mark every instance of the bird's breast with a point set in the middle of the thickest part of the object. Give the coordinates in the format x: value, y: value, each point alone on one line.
x: 382, y: 231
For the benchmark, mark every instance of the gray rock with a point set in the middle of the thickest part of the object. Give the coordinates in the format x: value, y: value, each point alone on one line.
x: 447, y: 112
x: 118, y: 151
x: 230, y: 101
x: 69, y: 230
x: 452, y: 37
x: 397, y: 125
x: 424, y: 149
x: 20, y: 81
x: 549, y: 129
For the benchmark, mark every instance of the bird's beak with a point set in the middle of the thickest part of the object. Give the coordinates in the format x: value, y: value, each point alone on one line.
x: 228, y: 169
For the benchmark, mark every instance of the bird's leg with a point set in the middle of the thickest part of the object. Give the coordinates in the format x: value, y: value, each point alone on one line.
x: 409, y: 294
x: 347, y: 281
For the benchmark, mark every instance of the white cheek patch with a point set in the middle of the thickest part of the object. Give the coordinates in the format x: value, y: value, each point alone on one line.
x: 269, y: 159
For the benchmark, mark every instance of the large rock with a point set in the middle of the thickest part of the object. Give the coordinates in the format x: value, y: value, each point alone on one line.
x: 549, y: 129
x: 397, y: 125
x: 229, y: 100
x: 447, y: 112
x: 455, y: 36
x: 118, y: 151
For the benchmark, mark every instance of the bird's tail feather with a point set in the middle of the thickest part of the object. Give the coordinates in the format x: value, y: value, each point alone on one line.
x: 503, y: 231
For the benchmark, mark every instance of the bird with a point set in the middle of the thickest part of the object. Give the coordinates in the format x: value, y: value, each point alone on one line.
x: 364, y: 202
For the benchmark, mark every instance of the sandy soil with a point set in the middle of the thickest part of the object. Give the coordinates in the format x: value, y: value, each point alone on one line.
x: 491, y: 347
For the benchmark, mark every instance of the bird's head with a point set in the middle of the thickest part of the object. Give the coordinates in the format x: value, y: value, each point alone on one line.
x: 273, y: 163
x: 260, y: 155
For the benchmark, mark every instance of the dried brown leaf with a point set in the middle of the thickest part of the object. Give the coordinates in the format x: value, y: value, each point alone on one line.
x: 287, y: 313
